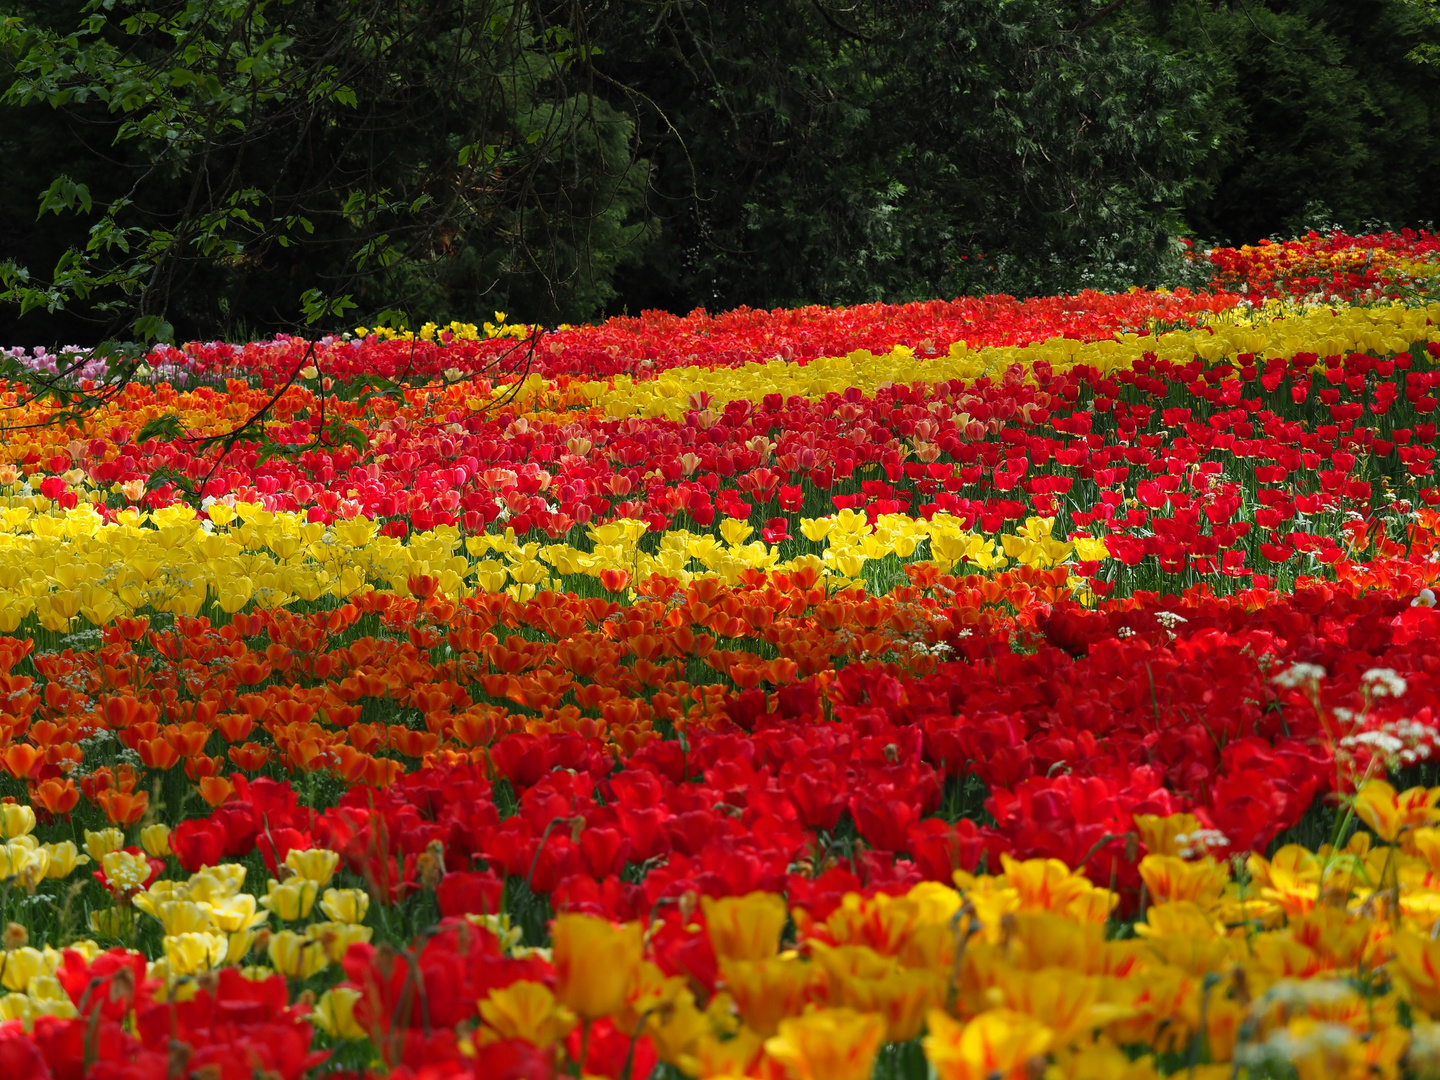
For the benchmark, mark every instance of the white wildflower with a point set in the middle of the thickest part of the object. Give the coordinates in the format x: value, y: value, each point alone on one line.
x: 1383, y: 682
x: 1298, y: 675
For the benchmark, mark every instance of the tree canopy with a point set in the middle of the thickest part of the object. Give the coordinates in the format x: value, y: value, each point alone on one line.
x: 236, y: 167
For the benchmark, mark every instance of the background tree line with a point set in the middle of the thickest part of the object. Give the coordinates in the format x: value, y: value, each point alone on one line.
x: 237, y: 167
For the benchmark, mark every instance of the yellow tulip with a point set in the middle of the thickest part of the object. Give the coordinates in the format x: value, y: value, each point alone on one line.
x: 102, y: 843
x: 527, y: 1011
x: 181, y: 916
x: 237, y: 945
x: 292, y: 899
x: 900, y: 998
x: 125, y: 871
x: 1063, y: 1000
x: 155, y: 839
x: 23, y: 859
x: 767, y: 991
x: 235, y: 913
x: 18, y: 1006
x: 1171, y: 879
x: 297, y: 956
x: 64, y: 858
x: 50, y: 998
x: 1160, y: 835
x: 345, y: 905
x: 745, y: 927
x: 1050, y: 885
x: 1417, y: 970
x: 192, y: 953
x: 595, y: 963
x: 1391, y: 813
x: 15, y: 820
x: 337, y: 937
x: 19, y: 966
x: 335, y: 1013
x: 216, y: 882
x: 996, y: 1045
x: 313, y: 864
x: 828, y: 1044
x: 677, y: 1028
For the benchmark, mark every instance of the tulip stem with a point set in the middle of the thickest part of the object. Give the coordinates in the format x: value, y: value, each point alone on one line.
x: 584, y: 1047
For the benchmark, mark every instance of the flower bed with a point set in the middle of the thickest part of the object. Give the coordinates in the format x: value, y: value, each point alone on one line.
x: 1004, y: 689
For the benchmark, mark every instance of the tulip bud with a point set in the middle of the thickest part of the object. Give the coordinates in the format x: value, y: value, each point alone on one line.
x: 237, y: 945
x: 745, y: 927
x: 102, y: 843
x: 64, y: 858
x: 595, y: 963
x: 291, y: 900
x: 427, y: 870
x: 346, y: 905
x: 180, y: 917
x: 337, y: 937
x: 50, y: 998
x: 21, y: 965
x: 191, y: 953
x: 313, y: 864
x: 335, y: 1013
x: 155, y: 839
x: 107, y: 922
x: 295, y: 955
x: 16, y: 936
x: 15, y: 820
x: 235, y: 913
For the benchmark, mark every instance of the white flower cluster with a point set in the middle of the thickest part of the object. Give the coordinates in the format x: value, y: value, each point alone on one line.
x: 1286, y: 1045
x: 1383, y: 682
x: 1397, y: 743
x: 1201, y: 842
x: 1298, y: 675
x: 939, y: 649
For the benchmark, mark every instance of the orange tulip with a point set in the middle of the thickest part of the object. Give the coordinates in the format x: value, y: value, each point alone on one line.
x: 157, y: 753
x: 236, y: 727
x: 216, y: 790
x: 56, y: 796
x: 189, y: 739
x: 201, y: 766
x: 251, y: 756
x: 248, y: 671
x: 614, y: 580
x: 21, y: 759
x: 123, y: 807
x: 132, y: 629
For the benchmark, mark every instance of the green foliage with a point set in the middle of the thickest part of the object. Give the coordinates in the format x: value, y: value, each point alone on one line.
x: 293, y: 162
x: 211, y: 167
x: 1327, y: 118
x: 914, y: 149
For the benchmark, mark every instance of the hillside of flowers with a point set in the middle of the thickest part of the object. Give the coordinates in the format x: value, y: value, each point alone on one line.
x: 976, y: 689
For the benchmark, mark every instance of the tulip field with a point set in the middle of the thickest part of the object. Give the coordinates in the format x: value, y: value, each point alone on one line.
x: 1024, y: 689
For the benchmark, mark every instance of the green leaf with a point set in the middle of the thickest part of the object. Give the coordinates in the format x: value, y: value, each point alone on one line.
x: 153, y: 328
x: 64, y: 194
x: 167, y: 427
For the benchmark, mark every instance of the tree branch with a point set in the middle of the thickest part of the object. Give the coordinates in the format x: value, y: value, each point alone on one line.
x: 1106, y: 11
